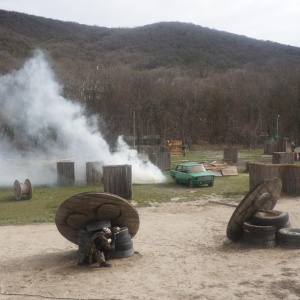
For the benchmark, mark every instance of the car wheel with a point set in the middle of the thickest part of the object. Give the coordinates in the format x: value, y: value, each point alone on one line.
x: 190, y: 183
x: 175, y: 180
x: 211, y: 184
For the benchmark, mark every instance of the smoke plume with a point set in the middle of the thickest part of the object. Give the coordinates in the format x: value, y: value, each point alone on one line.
x: 36, y: 113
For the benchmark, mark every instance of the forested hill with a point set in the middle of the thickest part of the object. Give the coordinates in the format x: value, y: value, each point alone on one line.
x: 180, y: 81
x: 171, y: 44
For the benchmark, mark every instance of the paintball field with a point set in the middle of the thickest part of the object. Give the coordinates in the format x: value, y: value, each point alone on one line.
x: 180, y: 253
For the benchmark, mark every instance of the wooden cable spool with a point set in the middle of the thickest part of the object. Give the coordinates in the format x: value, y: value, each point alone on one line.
x: 78, y: 211
x: 23, y: 190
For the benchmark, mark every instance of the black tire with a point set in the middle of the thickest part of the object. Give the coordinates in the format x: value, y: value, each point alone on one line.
x: 123, y: 246
x: 123, y: 232
x: 82, y: 241
x: 270, y: 218
x: 289, y: 245
x: 175, y: 180
x: 211, y: 184
x: 84, y: 233
x: 122, y: 254
x: 268, y: 244
x: 123, y: 239
x: 289, y: 235
x: 259, y: 229
x: 98, y: 225
x: 258, y: 237
x: 190, y: 183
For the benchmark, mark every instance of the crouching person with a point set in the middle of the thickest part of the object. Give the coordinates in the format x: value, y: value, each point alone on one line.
x: 101, y: 244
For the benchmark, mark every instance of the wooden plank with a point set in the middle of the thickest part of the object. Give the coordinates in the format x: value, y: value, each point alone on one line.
x: 229, y: 171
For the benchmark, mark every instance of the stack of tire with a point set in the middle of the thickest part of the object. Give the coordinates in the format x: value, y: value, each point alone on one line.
x: 265, y: 228
x: 123, y: 243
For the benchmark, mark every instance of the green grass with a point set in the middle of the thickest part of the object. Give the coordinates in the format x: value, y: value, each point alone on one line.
x: 46, y: 200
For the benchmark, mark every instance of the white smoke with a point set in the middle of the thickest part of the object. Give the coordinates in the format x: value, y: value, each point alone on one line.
x: 33, y: 101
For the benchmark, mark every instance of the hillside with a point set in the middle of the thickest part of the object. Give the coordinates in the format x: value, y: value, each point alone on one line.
x: 181, y: 81
x: 168, y: 45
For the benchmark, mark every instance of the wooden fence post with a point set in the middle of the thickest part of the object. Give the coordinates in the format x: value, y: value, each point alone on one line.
x: 93, y: 173
x: 65, y: 173
x: 117, y: 180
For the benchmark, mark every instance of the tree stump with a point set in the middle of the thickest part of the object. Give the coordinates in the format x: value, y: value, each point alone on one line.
x: 117, y: 180
x: 93, y: 173
x: 65, y: 173
x: 230, y: 154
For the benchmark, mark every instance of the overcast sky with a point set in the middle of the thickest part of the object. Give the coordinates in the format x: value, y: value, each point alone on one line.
x: 273, y: 20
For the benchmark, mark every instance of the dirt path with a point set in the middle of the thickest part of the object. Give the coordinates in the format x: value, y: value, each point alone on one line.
x: 179, y: 255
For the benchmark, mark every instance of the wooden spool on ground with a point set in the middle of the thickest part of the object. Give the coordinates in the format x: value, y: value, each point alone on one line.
x: 23, y: 190
x: 83, y: 209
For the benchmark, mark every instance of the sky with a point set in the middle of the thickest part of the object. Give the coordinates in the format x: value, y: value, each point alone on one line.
x: 272, y: 20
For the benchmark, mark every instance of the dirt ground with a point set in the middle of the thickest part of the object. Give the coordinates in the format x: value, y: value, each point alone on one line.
x: 180, y: 253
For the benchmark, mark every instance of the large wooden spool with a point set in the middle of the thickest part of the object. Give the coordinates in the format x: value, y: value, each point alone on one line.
x: 83, y: 209
x: 23, y: 190
x: 264, y: 196
x: 65, y: 173
x: 94, y: 173
x: 117, y: 179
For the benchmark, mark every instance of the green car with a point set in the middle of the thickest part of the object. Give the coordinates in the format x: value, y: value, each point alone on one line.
x: 193, y: 174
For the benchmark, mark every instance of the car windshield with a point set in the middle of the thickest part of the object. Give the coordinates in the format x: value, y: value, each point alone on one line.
x: 194, y: 169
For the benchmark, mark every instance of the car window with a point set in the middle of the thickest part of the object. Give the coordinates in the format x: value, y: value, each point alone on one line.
x: 178, y: 168
x: 196, y: 168
x: 184, y: 169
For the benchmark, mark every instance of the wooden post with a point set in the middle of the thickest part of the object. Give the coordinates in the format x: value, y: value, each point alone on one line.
x: 117, y: 180
x: 93, y: 173
x: 65, y: 173
x: 230, y: 154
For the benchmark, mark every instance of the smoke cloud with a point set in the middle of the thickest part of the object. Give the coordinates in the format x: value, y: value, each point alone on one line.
x: 31, y: 101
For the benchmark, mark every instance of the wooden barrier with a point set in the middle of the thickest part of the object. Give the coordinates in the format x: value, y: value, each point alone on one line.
x: 118, y: 180
x: 288, y: 173
x: 65, y: 173
x: 93, y: 173
x: 160, y: 156
x: 230, y: 154
x: 283, y: 158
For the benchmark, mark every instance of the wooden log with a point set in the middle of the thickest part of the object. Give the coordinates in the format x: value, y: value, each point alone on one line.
x: 230, y: 154
x: 93, y: 173
x: 283, y: 158
x: 117, y: 179
x: 65, y: 173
